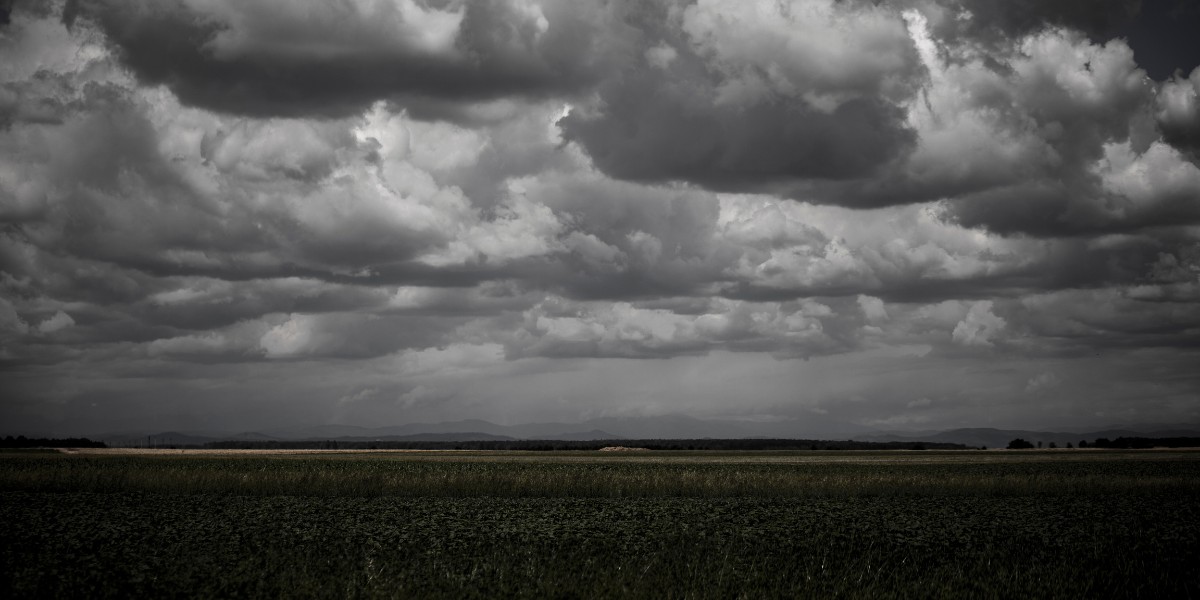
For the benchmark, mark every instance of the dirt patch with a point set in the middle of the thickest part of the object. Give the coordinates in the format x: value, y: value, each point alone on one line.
x: 243, y: 451
x: 621, y: 449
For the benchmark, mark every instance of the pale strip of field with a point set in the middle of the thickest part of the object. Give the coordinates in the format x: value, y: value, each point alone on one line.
x: 678, y: 456
x: 236, y: 451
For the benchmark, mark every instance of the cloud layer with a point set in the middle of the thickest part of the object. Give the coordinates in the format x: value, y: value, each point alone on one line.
x: 513, y: 209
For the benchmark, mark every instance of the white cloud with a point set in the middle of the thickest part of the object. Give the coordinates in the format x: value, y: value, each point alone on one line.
x: 59, y: 321
x: 240, y: 340
x: 296, y: 336
x: 1178, y: 108
x: 1042, y: 382
x: 980, y: 327
x: 1159, y: 179
x: 898, y: 421
x: 661, y: 56
x: 872, y: 308
x: 210, y: 343
x: 452, y: 360
x: 923, y: 402
x: 560, y: 327
x: 10, y: 321
x: 520, y: 229
x: 419, y: 396
x: 824, y: 51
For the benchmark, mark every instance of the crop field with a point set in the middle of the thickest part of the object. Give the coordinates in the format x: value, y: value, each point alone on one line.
x: 587, y: 524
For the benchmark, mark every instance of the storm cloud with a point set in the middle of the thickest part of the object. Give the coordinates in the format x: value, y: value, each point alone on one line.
x: 913, y: 214
x: 334, y: 59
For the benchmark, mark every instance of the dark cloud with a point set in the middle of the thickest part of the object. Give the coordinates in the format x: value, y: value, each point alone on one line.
x: 1038, y: 132
x: 1112, y: 318
x: 70, y: 13
x: 33, y: 271
x: 653, y: 133
x: 701, y: 103
x: 630, y: 241
x: 315, y: 59
x: 502, y: 208
x: 1055, y: 137
x: 1178, y: 113
x: 198, y: 304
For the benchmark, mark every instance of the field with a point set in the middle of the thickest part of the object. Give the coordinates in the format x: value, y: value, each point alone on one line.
x: 588, y: 524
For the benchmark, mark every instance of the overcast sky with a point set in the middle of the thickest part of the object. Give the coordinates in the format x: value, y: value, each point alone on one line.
x: 232, y: 215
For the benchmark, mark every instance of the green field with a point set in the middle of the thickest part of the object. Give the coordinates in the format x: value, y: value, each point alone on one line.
x: 587, y: 524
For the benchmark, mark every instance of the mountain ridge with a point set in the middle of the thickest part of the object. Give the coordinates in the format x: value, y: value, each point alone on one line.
x: 665, y: 427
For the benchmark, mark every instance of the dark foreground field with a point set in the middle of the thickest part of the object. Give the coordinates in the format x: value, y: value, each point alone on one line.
x: 907, y: 524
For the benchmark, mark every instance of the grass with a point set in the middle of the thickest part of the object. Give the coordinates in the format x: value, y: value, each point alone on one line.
x: 590, y: 474
x: 687, y: 525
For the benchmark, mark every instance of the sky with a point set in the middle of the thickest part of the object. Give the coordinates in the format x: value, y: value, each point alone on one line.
x: 220, y: 215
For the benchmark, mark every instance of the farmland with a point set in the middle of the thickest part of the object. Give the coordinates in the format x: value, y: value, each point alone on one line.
x: 660, y: 524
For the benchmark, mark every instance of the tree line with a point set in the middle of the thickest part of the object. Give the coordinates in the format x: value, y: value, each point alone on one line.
x: 23, y: 442
x: 1122, y: 443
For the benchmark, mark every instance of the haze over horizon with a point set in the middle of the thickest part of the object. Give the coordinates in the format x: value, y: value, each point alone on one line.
x: 221, y: 215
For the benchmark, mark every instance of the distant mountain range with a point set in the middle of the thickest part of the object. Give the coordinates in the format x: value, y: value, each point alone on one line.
x: 607, y: 428
x: 663, y: 427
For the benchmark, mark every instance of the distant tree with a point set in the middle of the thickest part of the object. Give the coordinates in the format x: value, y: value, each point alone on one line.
x: 23, y: 442
x: 1019, y: 444
x: 1039, y: 443
x: 1102, y: 443
x: 1053, y: 445
x: 1083, y: 444
x: 1069, y: 445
